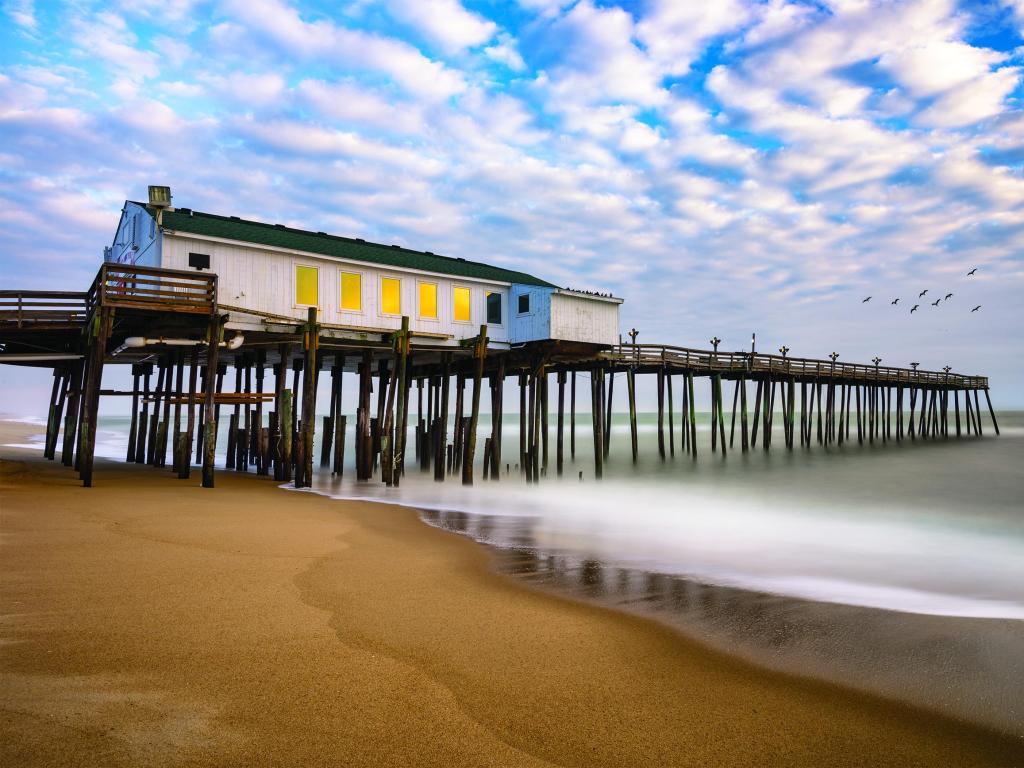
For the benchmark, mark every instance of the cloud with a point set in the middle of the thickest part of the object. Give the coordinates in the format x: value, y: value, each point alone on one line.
x: 22, y: 13
x: 444, y: 22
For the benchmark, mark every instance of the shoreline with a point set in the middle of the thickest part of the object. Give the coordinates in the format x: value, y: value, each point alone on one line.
x: 219, y: 626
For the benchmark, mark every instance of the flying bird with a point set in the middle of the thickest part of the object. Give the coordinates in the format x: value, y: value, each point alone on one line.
x: 972, y: 271
x: 865, y: 301
x: 895, y: 301
x: 976, y: 308
x: 913, y: 309
x: 936, y: 302
x: 922, y: 293
x: 949, y: 296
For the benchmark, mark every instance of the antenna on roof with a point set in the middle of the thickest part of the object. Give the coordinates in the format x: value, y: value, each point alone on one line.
x: 159, y: 198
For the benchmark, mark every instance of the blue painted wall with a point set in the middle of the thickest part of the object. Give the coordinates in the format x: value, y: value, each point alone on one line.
x: 137, y: 240
x: 534, y: 325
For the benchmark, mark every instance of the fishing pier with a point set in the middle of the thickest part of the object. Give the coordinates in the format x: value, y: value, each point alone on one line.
x: 290, y: 313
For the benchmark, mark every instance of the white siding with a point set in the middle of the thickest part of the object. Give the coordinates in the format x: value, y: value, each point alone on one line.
x: 264, y: 280
x: 577, y: 318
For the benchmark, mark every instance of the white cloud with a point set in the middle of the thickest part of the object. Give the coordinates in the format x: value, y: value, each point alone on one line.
x: 108, y: 38
x: 348, y: 102
x: 505, y: 52
x: 675, y: 33
x: 22, y: 13
x: 445, y: 22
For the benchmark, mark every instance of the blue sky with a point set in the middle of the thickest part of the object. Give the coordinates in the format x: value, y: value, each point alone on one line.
x: 726, y: 166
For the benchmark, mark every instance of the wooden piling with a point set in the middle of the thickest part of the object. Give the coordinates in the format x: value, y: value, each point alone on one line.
x: 758, y: 392
x: 991, y: 411
x: 572, y: 416
x: 596, y: 414
x: 480, y: 353
x: 67, y: 452
x: 441, y: 442
x: 631, y: 393
x: 210, y: 411
x: 559, y: 458
x: 661, y: 412
x: 185, y: 454
x: 693, y: 413
x: 103, y: 322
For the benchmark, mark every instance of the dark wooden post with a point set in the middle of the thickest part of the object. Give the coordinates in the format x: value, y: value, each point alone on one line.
x: 631, y: 393
x: 185, y: 454
x: 67, y: 452
x: 499, y: 422
x: 401, y: 418
x: 210, y: 409
x: 693, y: 414
x: 977, y: 412
x: 441, y: 441
x: 544, y: 408
x: 660, y: 380
x: 458, y: 422
x: 531, y: 429
x: 480, y: 353
x: 142, y: 438
x: 606, y: 419
x: 744, y: 436
x: 572, y: 415
x: 262, y: 463
x: 721, y: 414
x: 98, y: 352
x: 559, y: 457
x: 133, y: 427
x: 684, y: 420
x: 311, y: 343
x: 991, y: 411
x: 596, y: 412
x: 671, y: 417
x: 53, y: 415
x: 758, y: 392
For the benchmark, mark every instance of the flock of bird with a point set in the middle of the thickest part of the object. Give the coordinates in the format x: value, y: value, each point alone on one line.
x: 922, y: 294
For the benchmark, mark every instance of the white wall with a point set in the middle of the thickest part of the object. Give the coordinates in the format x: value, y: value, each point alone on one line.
x: 578, y: 318
x: 264, y: 280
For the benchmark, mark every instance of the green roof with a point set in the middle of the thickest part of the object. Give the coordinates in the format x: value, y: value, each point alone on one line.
x: 280, y: 236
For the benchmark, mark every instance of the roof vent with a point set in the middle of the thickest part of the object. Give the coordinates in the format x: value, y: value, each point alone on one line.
x: 360, y: 240
x: 234, y: 218
x: 185, y: 210
x: 322, y: 233
x: 159, y: 197
x: 280, y: 226
x: 397, y: 247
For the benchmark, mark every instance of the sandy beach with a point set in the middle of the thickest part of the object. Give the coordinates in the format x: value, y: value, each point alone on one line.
x: 149, y: 622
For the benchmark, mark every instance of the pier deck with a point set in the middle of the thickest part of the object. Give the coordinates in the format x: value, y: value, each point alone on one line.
x: 171, y: 322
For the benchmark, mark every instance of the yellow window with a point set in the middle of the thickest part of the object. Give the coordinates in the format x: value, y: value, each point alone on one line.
x: 391, y: 296
x: 351, y: 291
x: 307, y: 290
x: 428, y: 300
x: 462, y: 305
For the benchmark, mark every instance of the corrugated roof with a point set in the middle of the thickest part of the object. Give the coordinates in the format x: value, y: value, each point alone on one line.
x: 280, y: 236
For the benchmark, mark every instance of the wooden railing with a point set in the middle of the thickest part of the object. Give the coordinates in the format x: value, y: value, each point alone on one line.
x: 150, y: 288
x: 707, y: 361
x: 42, y: 310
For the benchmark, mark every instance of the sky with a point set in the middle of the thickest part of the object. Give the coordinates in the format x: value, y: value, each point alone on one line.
x: 727, y: 166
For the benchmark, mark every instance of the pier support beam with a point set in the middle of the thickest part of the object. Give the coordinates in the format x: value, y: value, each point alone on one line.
x: 214, y: 336
x: 480, y: 354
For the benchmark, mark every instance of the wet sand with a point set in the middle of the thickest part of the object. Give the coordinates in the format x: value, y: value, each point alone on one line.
x: 149, y: 622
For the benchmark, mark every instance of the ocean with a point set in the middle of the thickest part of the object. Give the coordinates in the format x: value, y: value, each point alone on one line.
x: 895, y: 569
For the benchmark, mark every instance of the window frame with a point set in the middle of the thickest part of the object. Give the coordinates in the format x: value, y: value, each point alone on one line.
x: 295, y: 284
x: 455, y: 319
x: 529, y: 304
x: 437, y: 301
x: 362, y: 298
x: 501, y: 315
x: 380, y: 296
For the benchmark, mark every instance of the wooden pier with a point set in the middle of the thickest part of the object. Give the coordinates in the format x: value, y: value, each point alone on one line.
x: 170, y: 327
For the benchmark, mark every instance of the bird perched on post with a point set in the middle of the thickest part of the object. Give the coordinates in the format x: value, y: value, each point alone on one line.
x: 936, y: 302
x: 895, y: 302
x: 976, y: 308
x: 972, y: 271
x: 949, y: 296
x: 922, y: 293
x: 913, y: 309
x: 865, y: 301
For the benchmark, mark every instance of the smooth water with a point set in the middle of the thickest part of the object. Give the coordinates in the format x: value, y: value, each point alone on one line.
x: 894, y: 568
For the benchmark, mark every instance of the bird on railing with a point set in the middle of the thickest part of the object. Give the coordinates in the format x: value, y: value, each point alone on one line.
x: 894, y: 302
x: 936, y: 302
x: 949, y: 296
x: 865, y: 301
x: 976, y: 308
x: 972, y: 271
x: 913, y: 309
